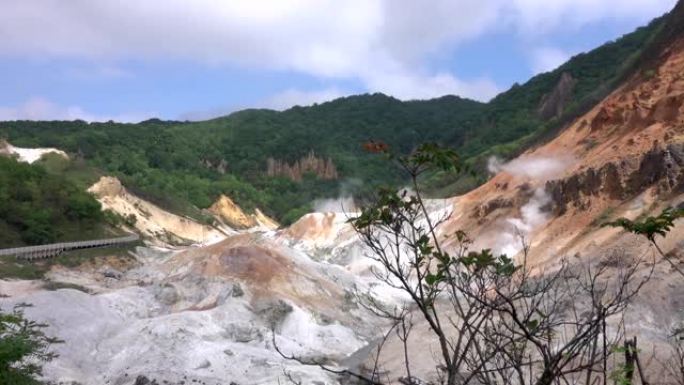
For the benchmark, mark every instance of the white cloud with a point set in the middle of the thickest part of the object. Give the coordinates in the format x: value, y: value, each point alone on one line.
x: 97, y: 72
x: 295, y: 97
x: 38, y: 108
x: 411, y: 85
x: 546, y: 59
x: 359, y: 39
x: 536, y: 18
x: 540, y: 16
x: 279, y: 101
x: 385, y: 44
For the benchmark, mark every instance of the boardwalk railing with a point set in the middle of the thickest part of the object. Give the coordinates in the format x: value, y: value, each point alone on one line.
x: 51, y: 250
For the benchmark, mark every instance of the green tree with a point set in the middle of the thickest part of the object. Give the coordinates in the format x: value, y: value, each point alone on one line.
x: 24, y: 347
x: 651, y: 227
x: 38, y: 207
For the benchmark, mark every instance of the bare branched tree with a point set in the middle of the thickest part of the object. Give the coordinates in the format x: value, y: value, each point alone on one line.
x: 494, y: 321
x: 674, y: 365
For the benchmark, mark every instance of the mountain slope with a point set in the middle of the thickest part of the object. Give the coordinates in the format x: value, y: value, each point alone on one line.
x: 176, y: 164
x: 211, y: 314
x: 154, y: 224
x: 38, y: 208
x: 625, y: 157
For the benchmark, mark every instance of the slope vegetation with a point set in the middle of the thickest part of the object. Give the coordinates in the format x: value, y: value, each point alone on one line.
x: 178, y: 165
x: 37, y: 207
x: 625, y: 157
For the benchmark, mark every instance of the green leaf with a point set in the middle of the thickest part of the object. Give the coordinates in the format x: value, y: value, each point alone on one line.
x: 651, y: 226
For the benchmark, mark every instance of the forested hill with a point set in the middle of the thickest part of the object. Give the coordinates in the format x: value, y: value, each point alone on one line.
x: 37, y: 207
x: 282, y: 161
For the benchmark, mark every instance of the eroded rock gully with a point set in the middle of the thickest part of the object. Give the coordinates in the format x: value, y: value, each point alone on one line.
x: 661, y: 167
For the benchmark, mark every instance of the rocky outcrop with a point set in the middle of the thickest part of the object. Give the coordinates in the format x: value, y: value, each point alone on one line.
x: 322, y: 168
x: 661, y: 168
x: 4, y: 148
x: 636, y: 110
x: 483, y: 210
x: 232, y: 215
x: 107, y: 187
x: 154, y: 223
x: 220, y: 166
x: 553, y: 104
x: 264, y: 220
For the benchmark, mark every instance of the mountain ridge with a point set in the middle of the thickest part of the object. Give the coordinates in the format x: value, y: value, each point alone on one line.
x: 215, y: 313
x: 170, y: 163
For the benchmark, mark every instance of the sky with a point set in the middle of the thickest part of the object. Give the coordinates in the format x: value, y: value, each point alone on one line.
x: 130, y: 60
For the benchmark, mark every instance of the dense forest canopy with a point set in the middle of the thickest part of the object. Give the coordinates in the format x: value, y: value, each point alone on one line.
x: 185, y: 165
x: 37, y: 207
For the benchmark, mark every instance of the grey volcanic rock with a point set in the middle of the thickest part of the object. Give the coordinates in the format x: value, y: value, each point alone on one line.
x: 273, y: 312
x: 167, y: 294
x: 204, y: 365
x: 244, y: 333
x: 207, y: 326
x: 142, y: 380
x: 112, y: 273
x: 553, y: 104
x: 237, y: 291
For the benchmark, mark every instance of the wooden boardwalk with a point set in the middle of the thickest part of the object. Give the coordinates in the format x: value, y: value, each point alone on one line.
x: 47, y: 251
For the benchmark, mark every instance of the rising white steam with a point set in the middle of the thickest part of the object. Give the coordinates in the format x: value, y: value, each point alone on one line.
x: 532, y: 216
x: 337, y: 205
x: 344, y: 203
x: 537, y: 170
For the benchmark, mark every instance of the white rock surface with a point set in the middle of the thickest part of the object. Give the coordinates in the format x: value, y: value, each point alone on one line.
x: 168, y: 319
x: 30, y: 155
